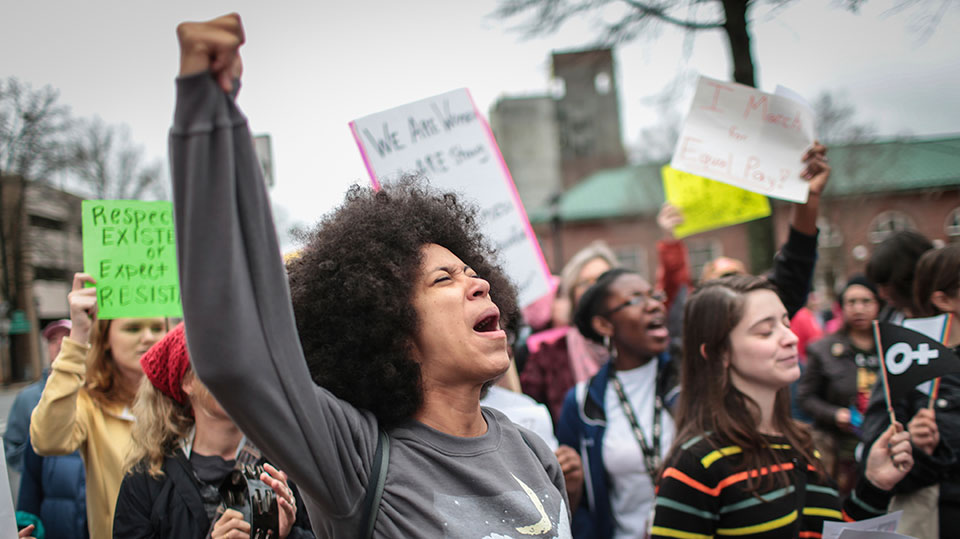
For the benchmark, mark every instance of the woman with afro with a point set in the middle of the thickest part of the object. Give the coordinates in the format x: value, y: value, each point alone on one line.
x: 395, y: 328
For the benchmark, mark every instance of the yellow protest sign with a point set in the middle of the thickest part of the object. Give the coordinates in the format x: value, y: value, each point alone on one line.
x: 707, y: 204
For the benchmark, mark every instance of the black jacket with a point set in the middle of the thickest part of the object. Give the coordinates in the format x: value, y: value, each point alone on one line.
x: 829, y: 381
x: 170, y: 506
x: 942, y: 467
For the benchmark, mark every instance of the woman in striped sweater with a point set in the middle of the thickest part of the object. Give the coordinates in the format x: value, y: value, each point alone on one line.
x: 740, y: 465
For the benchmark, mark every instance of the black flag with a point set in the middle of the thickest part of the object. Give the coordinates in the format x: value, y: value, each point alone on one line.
x: 910, y: 358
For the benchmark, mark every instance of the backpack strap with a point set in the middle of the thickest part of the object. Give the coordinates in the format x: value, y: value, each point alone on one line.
x: 378, y: 476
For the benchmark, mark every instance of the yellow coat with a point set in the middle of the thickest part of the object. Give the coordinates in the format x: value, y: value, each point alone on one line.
x: 68, y: 419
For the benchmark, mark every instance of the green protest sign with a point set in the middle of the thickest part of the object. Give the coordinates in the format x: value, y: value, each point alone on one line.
x: 129, y: 247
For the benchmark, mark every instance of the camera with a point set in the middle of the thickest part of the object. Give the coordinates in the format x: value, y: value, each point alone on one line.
x: 243, y: 491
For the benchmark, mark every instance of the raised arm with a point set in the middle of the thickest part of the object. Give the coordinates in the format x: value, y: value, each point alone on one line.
x: 793, y: 266
x: 57, y: 427
x: 240, y: 325
x: 673, y: 261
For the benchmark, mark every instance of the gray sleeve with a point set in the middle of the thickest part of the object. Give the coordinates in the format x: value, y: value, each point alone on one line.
x: 240, y: 326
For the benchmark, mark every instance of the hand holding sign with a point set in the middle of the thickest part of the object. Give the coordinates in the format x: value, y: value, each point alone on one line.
x: 706, y: 205
x: 908, y: 358
x: 890, y: 458
x: 817, y: 171
x: 669, y: 218
x: 83, y: 308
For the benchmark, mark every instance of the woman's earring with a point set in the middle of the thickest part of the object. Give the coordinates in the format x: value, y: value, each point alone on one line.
x: 609, y: 346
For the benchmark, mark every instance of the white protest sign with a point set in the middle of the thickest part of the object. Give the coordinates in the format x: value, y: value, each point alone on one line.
x: 884, y: 523
x: 8, y: 519
x: 447, y: 141
x: 744, y: 137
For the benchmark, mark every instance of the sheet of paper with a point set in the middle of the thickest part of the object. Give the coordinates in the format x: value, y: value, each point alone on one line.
x: 744, y: 137
x: 707, y: 204
x: 864, y: 534
x: 885, y: 523
x: 129, y: 247
x: 8, y: 518
x: 446, y: 140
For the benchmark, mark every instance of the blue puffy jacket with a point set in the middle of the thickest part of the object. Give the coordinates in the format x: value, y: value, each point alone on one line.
x: 53, y: 488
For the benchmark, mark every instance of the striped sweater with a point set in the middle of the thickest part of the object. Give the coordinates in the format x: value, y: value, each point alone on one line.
x: 702, y: 494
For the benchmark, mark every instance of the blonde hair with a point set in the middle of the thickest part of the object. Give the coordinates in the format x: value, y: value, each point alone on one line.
x: 571, y: 270
x: 161, y: 424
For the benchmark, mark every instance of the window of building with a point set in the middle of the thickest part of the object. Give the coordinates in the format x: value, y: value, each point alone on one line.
x: 887, y: 223
x: 602, y: 83
x: 558, y: 87
x: 701, y: 252
x: 46, y: 222
x: 44, y: 273
x: 952, y: 226
x: 633, y: 257
x: 830, y: 235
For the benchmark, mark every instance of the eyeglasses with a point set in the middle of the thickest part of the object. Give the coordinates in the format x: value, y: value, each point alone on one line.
x: 853, y: 302
x: 640, y: 299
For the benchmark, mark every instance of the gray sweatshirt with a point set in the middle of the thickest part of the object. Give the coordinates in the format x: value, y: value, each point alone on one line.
x: 243, y: 343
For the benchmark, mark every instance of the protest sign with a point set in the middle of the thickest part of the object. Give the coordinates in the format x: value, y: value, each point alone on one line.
x: 938, y: 329
x: 8, y: 519
x: 707, y: 205
x: 446, y: 140
x: 129, y: 248
x: 882, y: 524
x: 908, y: 358
x: 744, y: 137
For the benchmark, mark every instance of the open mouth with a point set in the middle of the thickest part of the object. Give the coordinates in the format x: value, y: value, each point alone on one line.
x: 657, y: 328
x: 490, y: 322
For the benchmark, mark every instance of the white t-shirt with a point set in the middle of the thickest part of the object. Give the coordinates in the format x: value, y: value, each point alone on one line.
x: 631, y: 488
x: 522, y: 410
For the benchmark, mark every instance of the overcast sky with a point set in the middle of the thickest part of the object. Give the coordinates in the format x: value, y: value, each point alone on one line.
x: 313, y: 66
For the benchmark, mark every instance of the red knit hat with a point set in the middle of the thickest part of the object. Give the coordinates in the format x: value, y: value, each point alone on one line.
x: 166, y: 362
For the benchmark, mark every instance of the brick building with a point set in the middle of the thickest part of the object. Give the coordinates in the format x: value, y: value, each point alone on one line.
x: 552, y: 142
x: 42, y: 233
x: 875, y: 188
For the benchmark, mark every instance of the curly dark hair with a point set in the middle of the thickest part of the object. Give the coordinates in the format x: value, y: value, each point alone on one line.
x: 352, y: 290
x: 592, y: 301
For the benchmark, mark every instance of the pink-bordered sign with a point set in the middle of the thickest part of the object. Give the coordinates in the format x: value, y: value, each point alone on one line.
x: 446, y: 139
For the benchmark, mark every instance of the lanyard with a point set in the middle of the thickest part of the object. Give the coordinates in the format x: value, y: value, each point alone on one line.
x: 651, y: 456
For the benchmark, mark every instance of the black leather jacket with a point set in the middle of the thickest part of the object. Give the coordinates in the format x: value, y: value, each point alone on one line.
x: 829, y: 381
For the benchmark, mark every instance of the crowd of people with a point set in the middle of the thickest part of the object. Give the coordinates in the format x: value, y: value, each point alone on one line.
x: 364, y: 388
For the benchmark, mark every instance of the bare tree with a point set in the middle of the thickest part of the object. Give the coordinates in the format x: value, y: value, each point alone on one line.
x: 837, y: 121
x: 924, y: 15
x: 658, y: 141
x: 109, y: 165
x: 625, y: 20
x: 32, y: 129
